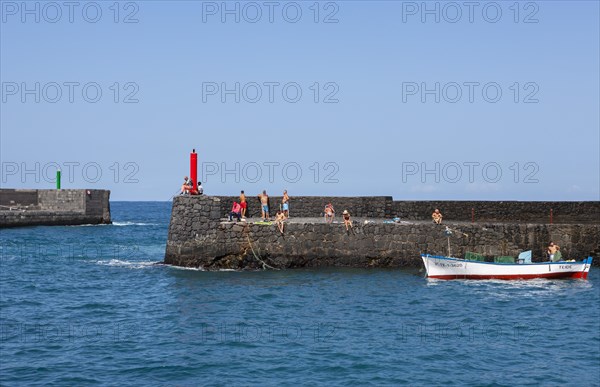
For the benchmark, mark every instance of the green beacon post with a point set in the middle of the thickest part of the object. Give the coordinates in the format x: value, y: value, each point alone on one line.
x: 58, y: 179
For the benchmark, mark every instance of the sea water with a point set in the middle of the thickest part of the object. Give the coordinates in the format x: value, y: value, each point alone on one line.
x: 88, y: 305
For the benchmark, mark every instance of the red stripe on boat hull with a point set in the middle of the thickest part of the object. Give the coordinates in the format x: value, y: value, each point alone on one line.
x: 577, y: 274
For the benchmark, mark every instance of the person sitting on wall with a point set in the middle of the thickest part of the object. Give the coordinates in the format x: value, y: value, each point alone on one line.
x: 200, y: 188
x: 188, y: 185
x: 279, y: 220
x: 236, y: 210
x: 437, y: 216
x: 329, y: 213
x: 554, y: 253
x: 347, y: 221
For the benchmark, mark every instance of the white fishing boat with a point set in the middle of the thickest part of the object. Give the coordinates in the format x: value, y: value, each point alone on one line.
x: 456, y: 268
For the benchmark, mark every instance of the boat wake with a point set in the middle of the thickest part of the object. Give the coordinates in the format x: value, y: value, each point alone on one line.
x: 517, y: 289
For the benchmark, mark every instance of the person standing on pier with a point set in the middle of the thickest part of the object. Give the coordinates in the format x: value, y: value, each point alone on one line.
x: 285, y: 201
x: 243, y: 204
x: 264, y: 203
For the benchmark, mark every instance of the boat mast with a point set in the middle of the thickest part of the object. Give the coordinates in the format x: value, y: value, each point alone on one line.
x: 448, y: 233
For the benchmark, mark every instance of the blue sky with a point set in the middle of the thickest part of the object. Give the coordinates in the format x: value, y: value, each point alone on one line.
x: 366, y: 122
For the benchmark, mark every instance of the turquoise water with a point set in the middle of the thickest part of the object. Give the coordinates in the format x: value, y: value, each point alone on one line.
x: 88, y: 306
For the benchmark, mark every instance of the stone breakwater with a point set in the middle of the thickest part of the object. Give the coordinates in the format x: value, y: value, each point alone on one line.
x: 386, y: 207
x: 199, y: 236
x: 29, y: 207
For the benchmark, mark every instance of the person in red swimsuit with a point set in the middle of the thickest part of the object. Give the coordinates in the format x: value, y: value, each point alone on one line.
x: 243, y: 204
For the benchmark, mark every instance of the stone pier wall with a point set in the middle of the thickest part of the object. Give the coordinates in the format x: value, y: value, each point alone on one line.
x: 502, y: 211
x: 198, y: 238
x: 53, y: 207
x: 386, y: 207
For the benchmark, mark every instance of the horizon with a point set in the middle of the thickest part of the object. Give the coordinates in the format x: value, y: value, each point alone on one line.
x: 394, y: 199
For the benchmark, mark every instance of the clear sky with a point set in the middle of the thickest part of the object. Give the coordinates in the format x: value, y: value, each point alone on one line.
x: 418, y: 100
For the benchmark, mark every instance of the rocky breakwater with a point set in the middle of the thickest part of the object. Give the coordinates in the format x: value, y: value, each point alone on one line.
x: 199, y: 236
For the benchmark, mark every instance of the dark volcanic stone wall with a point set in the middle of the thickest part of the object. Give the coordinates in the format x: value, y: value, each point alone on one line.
x: 506, y: 211
x: 97, y: 205
x: 197, y: 238
x: 20, y: 197
x: 193, y: 231
x: 386, y: 207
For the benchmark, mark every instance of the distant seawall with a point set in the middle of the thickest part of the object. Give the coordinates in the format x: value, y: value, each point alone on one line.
x: 199, y: 238
x: 47, y: 207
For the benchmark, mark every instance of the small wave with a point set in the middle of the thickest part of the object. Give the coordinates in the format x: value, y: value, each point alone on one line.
x: 132, y: 224
x: 88, y: 225
x: 200, y: 268
x: 119, y: 224
x: 186, y: 268
x: 197, y: 268
x: 130, y: 264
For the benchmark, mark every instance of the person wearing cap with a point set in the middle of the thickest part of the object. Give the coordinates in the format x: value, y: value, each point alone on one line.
x: 347, y: 221
x: 437, y: 216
